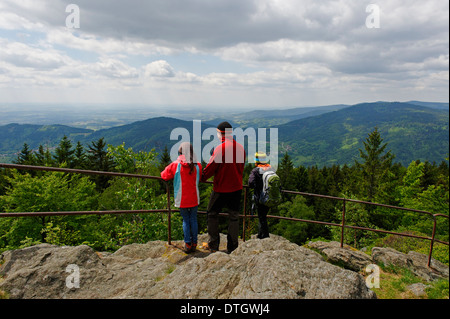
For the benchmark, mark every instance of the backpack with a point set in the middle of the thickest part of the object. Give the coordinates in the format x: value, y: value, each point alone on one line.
x: 271, y: 193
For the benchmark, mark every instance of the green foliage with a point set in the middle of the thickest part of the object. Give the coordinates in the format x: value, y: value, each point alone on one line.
x: 60, y: 234
x: 297, y: 232
x: 52, y: 191
x: 127, y: 161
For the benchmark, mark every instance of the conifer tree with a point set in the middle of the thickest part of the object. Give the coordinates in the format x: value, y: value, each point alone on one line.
x: 165, y: 159
x: 26, y: 156
x: 98, y: 160
x: 43, y: 158
x: 64, y: 152
x: 286, y: 172
x: 375, y: 165
x: 80, y: 158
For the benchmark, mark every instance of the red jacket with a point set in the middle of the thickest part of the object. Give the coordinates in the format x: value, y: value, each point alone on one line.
x: 185, y: 184
x: 227, y: 166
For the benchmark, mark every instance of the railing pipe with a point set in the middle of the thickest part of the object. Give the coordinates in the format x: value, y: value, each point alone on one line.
x: 69, y: 213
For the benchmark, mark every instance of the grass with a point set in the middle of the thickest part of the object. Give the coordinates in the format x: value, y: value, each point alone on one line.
x: 168, y: 271
x: 395, y: 280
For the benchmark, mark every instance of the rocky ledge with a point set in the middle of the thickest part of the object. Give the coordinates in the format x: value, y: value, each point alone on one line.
x: 268, y: 268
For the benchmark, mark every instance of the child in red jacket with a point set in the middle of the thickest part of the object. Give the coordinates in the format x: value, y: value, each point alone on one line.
x: 185, y: 172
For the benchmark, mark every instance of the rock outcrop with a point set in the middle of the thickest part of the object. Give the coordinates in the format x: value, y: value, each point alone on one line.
x: 346, y: 256
x: 356, y: 260
x: 414, y: 261
x: 268, y: 268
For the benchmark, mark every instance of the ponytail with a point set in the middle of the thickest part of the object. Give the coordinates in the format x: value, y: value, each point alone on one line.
x: 187, y: 149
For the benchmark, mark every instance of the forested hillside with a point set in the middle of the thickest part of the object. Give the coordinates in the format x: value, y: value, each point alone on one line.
x: 413, y: 133
x: 13, y: 136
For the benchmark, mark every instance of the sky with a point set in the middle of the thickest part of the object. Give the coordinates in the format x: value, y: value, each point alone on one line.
x: 223, y: 54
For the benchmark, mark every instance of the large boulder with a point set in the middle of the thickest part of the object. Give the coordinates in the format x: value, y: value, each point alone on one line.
x: 267, y: 268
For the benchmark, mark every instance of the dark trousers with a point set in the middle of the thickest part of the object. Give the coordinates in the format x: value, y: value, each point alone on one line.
x: 217, y: 202
x: 263, y: 227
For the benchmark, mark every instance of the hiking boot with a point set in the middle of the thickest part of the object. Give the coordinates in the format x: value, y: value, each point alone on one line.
x: 187, y: 248
x: 209, y: 249
x: 194, y: 247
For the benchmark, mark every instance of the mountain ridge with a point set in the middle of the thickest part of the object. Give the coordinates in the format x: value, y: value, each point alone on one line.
x: 411, y: 131
x: 408, y: 129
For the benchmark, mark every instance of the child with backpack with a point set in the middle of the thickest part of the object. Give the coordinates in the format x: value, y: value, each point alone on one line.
x: 266, y: 191
x: 185, y: 172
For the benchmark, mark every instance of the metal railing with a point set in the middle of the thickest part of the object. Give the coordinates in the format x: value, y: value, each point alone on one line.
x: 169, y: 211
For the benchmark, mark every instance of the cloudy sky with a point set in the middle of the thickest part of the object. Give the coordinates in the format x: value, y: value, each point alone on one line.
x: 224, y: 53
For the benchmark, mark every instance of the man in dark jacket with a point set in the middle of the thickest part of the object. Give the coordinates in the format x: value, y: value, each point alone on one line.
x: 227, y: 166
x: 255, y: 181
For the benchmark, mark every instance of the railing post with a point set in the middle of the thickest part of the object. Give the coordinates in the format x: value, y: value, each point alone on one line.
x: 343, y: 224
x: 169, y: 217
x: 432, y: 241
x: 245, y: 214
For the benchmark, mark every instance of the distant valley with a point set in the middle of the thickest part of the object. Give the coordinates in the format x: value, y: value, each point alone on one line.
x: 320, y: 136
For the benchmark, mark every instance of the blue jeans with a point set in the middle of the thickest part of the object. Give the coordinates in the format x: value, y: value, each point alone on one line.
x: 190, y: 226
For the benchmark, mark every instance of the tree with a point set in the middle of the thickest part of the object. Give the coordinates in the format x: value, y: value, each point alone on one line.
x: 286, y: 173
x: 43, y: 158
x: 301, y: 178
x: 433, y: 198
x: 80, y: 158
x: 374, y: 166
x: 25, y: 157
x: 164, y: 160
x: 99, y: 160
x: 64, y: 152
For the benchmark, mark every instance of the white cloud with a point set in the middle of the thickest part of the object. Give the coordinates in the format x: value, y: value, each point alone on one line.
x: 254, y: 51
x: 159, y: 68
x: 115, y: 69
x: 22, y: 55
